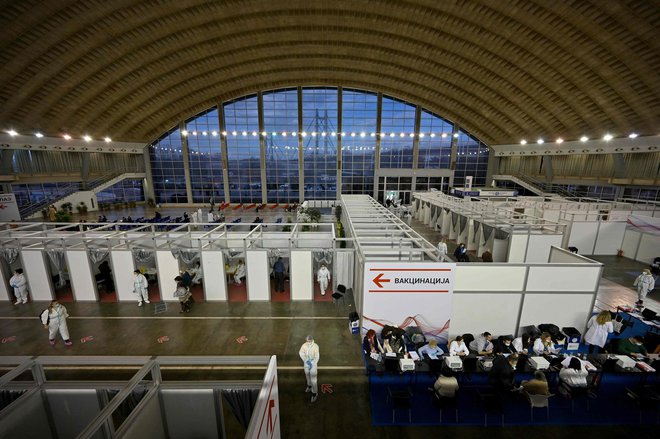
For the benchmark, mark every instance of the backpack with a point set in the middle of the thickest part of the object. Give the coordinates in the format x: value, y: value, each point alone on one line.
x: 47, y: 316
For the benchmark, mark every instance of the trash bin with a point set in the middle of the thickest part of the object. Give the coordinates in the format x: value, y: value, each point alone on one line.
x: 354, y: 322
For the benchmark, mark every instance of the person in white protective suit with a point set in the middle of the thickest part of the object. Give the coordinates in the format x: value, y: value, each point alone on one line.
x: 323, y: 278
x: 19, y: 284
x: 309, y: 354
x: 240, y: 272
x: 196, y: 273
x: 54, y: 319
x: 442, y: 249
x: 140, y: 287
x: 645, y: 284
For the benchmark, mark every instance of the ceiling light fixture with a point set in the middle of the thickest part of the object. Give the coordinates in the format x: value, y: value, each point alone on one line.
x: 87, y: 138
x: 39, y: 135
x: 583, y: 139
x: 607, y: 137
x: 633, y: 135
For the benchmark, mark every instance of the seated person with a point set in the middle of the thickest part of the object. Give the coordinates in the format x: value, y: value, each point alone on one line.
x: 457, y: 347
x: 521, y: 344
x: 482, y: 345
x: 446, y: 385
x: 544, y: 345
x: 501, y: 375
x: 431, y: 350
x: 536, y: 386
x: 633, y: 346
x: 395, y: 344
x: 371, y: 344
x: 575, y: 375
x: 504, y: 346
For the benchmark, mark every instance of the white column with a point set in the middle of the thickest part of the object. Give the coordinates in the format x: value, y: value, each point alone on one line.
x: 258, y: 275
x: 215, y: 278
x: 302, y: 275
x: 6, y: 292
x: 37, y: 274
x: 83, y: 282
x: 168, y: 268
x: 122, y: 272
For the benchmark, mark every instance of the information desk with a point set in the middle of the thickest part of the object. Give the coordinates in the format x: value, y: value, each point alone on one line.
x: 636, y: 324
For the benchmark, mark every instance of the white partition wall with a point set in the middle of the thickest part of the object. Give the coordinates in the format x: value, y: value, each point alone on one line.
x: 517, y: 248
x: 302, y: 275
x: 649, y: 248
x: 564, y: 278
x: 258, y: 275
x: 561, y: 309
x: 475, y: 313
x: 500, y: 248
x: 83, y: 282
x: 37, y: 274
x: 538, y: 247
x: 215, y: 279
x: 630, y: 244
x: 122, y: 270
x: 446, y: 222
x: 168, y: 268
x: 583, y: 236
x: 490, y: 277
x: 610, y: 237
x: 6, y: 292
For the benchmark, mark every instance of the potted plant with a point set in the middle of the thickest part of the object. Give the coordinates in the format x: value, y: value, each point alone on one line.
x: 287, y: 228
x: 63, y: 216
x: 338, y: 212
x: 81, y: 207
x: 67, y: 206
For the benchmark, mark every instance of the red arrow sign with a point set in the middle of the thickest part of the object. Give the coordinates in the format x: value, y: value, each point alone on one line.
x: 163, y: 339
x: 8, y: 339
x: 326, y: 388
x: 242, y: 339
x: 86, y: 339
x: 378, y: 280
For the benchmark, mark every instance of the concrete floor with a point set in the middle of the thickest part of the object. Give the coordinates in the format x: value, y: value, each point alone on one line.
x: 279, y: 329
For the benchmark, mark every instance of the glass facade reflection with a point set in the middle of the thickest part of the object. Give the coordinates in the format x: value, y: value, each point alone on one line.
x: 336, y: 129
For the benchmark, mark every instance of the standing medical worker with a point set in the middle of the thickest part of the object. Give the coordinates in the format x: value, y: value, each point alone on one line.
x: 323, y: 277
x: 19, y: 284
x: 645, y: 284
x: 54, y: 319
x: 442, y: 249
x: 140, y: 287
x: 309, y: 354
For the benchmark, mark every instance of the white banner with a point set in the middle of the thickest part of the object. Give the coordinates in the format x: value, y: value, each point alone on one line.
x: 409, y: 294
x: 9, y: 208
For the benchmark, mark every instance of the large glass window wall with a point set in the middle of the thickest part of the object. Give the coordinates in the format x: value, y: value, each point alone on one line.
x: 126, y: 190
x: 398, y: 127
x: 434, y: 142
x: 167, y: 169
x: 359, y: 118
x: 320, y: 147
x: 204, y: 155
x: 243, y: 150
x: 355, y: 129
x: 281, y: 143
x: 472, y: 159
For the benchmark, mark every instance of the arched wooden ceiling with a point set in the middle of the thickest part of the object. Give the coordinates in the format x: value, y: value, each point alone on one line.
x: 503, y: 70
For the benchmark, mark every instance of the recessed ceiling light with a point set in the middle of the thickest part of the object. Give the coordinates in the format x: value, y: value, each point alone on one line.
x: 633, y: 135
x: 39, y: 135
x: 559, y: 140
x: 66, y: 137
x: 584, y: 139
x: 539, y: 141
x: 107, y: 139
x: 421, y: 135
x: 214, y: 133
x: 607, y: 137
x: 87, y: 138
x: 12, y: 133
x: 184, y: 132
x: 523, y: 142
x: 443, y: 135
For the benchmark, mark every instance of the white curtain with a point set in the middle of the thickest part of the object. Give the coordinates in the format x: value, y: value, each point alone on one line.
x: 57, y: 258
x: 96, y: 255
x: 344, y: 269
x: 10, y: 254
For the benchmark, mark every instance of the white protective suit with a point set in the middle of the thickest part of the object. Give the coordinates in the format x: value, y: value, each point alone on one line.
x: 19, y: 284
x: 442, y: 249
x: 56, y: 321
x: 645, y: 284
x: 323, y: 277
x: 240, y: 273
x: 197, y: 274
x: 140, y: 288
x: 309, y: 354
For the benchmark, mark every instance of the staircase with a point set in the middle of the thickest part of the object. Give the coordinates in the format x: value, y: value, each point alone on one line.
x: 537, y: 186
x: 101, y: 182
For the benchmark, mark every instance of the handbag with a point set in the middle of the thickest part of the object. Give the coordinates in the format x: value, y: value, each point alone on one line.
x: 619, y: 324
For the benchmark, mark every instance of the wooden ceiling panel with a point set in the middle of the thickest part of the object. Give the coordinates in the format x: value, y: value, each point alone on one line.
x: 502, y: 70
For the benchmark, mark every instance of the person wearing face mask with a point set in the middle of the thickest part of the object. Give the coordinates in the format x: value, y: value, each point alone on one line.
x: 504, y: 346
x: 140, y: 287
x: 19, y: 284
x: 482, y: 345
x: 54, y: 319
x: 323, y: 277
x: 544, y: 345
x: 633, y: 346
x: 309, y: 354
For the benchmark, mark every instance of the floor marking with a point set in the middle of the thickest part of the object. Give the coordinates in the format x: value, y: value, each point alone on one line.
x: 182, y: 318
